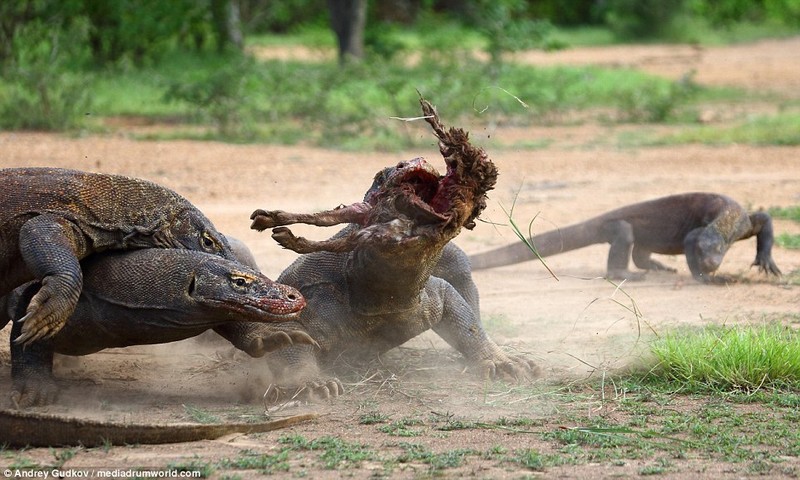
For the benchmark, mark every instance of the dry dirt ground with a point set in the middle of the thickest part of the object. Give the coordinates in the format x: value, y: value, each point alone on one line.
x: 574, y: 326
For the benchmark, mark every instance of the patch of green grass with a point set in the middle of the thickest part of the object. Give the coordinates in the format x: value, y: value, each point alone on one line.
x: 335, y: 452
x: 199, y: 415
x: 786, y: 213
x: 787, y: 240
x: 264, y: 463
x: 23, y: 463
x: 372, y: 418
x: 350, y: 107
x: 414, y: 452
x: 196, y: 466
x: 728, y: 359
x: 402, y: 428
x: 779, y: 129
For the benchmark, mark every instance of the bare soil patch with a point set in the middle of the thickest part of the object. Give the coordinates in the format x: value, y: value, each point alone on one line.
x: 576, y: 326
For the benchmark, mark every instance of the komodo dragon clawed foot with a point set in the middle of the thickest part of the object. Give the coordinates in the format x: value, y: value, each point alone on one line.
x: 45, y: 313
x: 273, y: 341
x: 34, y: 392
x: 309, y: 392
x: 508, y: 367
x: 766, y: 265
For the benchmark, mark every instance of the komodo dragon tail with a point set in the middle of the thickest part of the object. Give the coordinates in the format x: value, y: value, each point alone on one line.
x: 19, y: 429
x: 546, y: 244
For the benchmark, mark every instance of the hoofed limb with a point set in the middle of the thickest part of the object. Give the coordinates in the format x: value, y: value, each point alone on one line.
x: 355, y: 213
x: 288, y: 240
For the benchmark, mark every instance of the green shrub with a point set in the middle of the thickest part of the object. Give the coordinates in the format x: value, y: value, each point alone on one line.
x: 641, y: 19
x: 220, y: 97
x: 40, y: 92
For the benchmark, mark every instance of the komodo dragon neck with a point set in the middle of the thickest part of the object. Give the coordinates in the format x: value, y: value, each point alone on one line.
x: 390, y: 282
x: 19, y: 429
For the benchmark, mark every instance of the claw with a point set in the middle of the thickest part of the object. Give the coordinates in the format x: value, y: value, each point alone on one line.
x: 34, y: 393
x: 277, y: 340
x: 309, y: 392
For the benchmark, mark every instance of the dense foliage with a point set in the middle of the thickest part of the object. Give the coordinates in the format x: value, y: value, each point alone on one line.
x: 52, y: 52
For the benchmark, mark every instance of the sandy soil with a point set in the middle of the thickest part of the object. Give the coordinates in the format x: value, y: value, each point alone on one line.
x: 574, y: 326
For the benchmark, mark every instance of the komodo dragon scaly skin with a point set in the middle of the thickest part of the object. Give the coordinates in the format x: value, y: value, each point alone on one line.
x: 51, y: 218
x: 701, y: 225
x: 21, y: 429
x: 153, y: 296
x: 383, y: 280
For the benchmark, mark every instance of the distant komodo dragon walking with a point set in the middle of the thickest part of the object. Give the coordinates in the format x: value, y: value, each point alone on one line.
x: 153, y: 296
x: 391, y: 274
x: 51, y: 218
x: 701, y: 225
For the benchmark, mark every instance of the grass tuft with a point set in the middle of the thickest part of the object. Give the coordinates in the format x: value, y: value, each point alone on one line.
x: 729, y: 359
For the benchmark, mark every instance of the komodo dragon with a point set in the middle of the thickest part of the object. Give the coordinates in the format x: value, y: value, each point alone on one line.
x: 701, y: 225
x: 50, y: 218
x: 382, y: 280
x: 153, y: 296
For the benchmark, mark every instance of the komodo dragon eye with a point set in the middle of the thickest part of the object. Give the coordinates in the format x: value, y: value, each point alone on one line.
x: 208, y: 243
x: 240, y: 281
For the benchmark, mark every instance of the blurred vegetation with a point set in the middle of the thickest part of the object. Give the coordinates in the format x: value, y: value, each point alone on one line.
x: 66, y: 64
x: 787, y: 240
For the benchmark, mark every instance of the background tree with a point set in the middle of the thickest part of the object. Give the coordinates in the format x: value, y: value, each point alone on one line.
x: 227, y: 24
x: 348, y: 19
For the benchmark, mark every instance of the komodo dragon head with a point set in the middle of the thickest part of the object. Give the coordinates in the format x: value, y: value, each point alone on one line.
x: 188, y: 228
x: 171, y: 279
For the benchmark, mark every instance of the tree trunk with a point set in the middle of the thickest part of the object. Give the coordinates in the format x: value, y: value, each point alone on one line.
x: 227, y: 23
x: 348, y: 18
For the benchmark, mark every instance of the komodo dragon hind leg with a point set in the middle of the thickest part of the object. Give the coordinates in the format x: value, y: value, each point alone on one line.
x: 641, y: 258
x: 620, y: 235
x: 31, y: 365
x: 460, y: 326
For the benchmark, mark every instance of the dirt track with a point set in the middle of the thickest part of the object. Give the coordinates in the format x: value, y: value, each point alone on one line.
x: 573, y: 326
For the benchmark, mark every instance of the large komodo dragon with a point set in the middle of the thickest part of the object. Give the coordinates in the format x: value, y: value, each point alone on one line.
x: 145, y: 297
x: 152, y: 296
x: 51, y: 218
x: 392, y: 274
x: 701, y: 225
